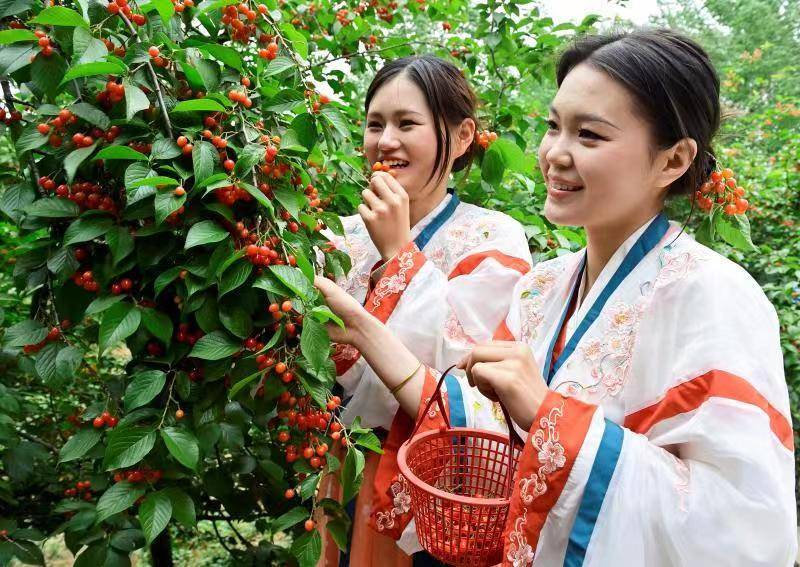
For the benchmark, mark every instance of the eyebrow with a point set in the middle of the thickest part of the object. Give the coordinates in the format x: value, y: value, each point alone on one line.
x: 399, y: 112
x: 587, y: 117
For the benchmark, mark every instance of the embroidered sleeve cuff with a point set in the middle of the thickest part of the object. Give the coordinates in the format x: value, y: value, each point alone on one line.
x: 553, y: 444
x: 397, y: 274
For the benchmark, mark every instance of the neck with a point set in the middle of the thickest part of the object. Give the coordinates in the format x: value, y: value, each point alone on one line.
x: 419, y: 208
x: 603, y: 242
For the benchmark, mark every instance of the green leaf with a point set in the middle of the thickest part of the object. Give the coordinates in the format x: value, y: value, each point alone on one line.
x: 135, y: 101
x: 204, y: 156
x: 30, y: 139
x: 91, y: 114
x: 278, y: 65
x: 307, y: 549
x: 154, y: 514
x: 135, y: 172
x: 14, y: 7
x: 370, y: 441
x: 234, y: 276
x: 351, y: 473
x: 306, y: 128
x: 102, y: 303
x: 60, y: 16
x: 127, y: 446
x: 46, y: 362
x: 166, y: 203
x: 112, y: 67
x: 79, y: 444
x: 27, y: 332
x: 120, y: 242
x: 120, y: 152
x: 53, y: 207
x: 14, y: 36
x: 337, y: 120
x: 297, y: 39
x: 75, y: 158
x: 512, y: 155
x: 315, y: 344
x: 226, y: 55
x: 289, y: 519
x: 182, y: 445
x: 284, y: 101
x: 182, y: 506
x: 15, y: 198
x: 290, y: 199
x: 165, y: 9
x: 294, y: 279
x: 204, y: 232
x: 166, y: 278
x: 144, y: 386
x: 250, y: 155
x: 215, y: 346
x: 338, y: 530
x: 87, y: 48
x: 15, y: 57
x: 159, y: 324
x: 199, y: 105
x: 164, y: 148
x: 118, y: 498
x: 63, y: 262
x: 119, y: 322
x: 237, y: 320
x: 85, y: 229
x: 68, y: 361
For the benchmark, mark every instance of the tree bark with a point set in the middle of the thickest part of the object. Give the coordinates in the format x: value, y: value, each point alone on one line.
x: 161, y: 550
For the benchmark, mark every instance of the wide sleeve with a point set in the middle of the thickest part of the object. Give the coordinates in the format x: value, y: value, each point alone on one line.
x: 701, y: 474
x: 438, y: 315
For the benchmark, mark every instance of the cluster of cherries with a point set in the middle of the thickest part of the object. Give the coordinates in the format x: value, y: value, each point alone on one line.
x: 121, y: 8
x: 111, y: 95
x: 239, y: 18
x: 85, y: 279
x: 187, y: 335
x: 298, y: 415
x: 10, y: 116
x: 181, y: 5
x: 316, y: 105
x: 44, y: 43
x: 118, y: 50
x: 729, y: 195
x: 269, y: 52
x: 53, y: 335
x: 105, y: 419
x: 241, y: 97
x: 86, y: 194
x: 485, y: 138
x: 82, y: 486
x: 139, y: 475
x: 141, y: 147
x: 155, y: 55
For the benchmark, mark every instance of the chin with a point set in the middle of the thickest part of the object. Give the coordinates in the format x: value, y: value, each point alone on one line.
x: 561, y: 216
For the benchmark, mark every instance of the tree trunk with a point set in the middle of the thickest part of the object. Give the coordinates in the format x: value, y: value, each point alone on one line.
x: 161, y: 550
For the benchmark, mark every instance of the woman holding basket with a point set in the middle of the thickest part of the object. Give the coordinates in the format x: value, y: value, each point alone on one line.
x: 646, y: 369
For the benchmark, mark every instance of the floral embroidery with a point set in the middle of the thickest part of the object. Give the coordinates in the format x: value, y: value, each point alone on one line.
x: 551, y: 456
x: 610, y: 357
x: 455, y: 332
x: 520, y: 553
x: 537, y: 283
x: 390, y: 285
x: 401, y: 500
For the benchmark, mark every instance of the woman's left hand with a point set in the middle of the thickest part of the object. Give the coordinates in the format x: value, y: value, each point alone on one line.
x: 385, y: 214
x: 506, y: 371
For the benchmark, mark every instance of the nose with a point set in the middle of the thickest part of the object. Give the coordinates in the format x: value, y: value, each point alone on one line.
x: 389, y: 141
x: 558, y: 154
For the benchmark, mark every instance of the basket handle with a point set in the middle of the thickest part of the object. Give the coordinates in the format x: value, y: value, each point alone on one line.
x: 513, y: 436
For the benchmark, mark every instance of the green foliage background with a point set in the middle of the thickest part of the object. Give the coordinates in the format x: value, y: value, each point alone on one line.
x: 507, y: 50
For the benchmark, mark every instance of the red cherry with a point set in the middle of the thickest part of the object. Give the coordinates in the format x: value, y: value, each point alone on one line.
x: 310, y: 525
x: 98, y: 422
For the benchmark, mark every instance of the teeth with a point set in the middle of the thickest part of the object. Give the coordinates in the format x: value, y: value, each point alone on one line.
x: 560, y: 187
x: 396, y: 163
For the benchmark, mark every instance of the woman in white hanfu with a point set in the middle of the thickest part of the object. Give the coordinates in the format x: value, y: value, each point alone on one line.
x: 438, y: 272
x: 646, y: 369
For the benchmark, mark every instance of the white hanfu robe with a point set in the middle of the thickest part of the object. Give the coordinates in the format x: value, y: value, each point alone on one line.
x: 438, y: 300
x: 666, y: 437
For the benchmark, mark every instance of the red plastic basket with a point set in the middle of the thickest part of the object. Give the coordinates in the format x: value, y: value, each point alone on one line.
x: 460, y: 481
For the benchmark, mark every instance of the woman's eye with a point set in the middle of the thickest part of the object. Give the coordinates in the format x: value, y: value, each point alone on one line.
x: 405, y: 123
x: 584, y: 133
x: 551, y: 125
x: 373, y: 125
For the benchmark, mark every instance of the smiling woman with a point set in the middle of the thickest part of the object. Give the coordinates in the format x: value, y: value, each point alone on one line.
x: 424, y: 263
x: 650, y: 421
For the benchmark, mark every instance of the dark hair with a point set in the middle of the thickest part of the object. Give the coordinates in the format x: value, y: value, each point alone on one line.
x: 673, y: 82
x: 448, y: 95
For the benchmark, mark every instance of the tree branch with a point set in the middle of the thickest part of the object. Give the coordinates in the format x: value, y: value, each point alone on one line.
x: 156, y: 84
x: 53, y: 449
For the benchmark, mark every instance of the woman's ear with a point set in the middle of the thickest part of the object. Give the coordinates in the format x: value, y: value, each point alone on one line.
x: 675, y: 161
x: 464, y: 135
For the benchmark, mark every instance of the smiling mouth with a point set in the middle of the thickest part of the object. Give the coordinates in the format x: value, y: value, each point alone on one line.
x: 564, y: 187
x: 396, y: 163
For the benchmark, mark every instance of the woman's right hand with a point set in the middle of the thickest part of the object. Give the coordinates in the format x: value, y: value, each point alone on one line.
x: 350, y: 311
